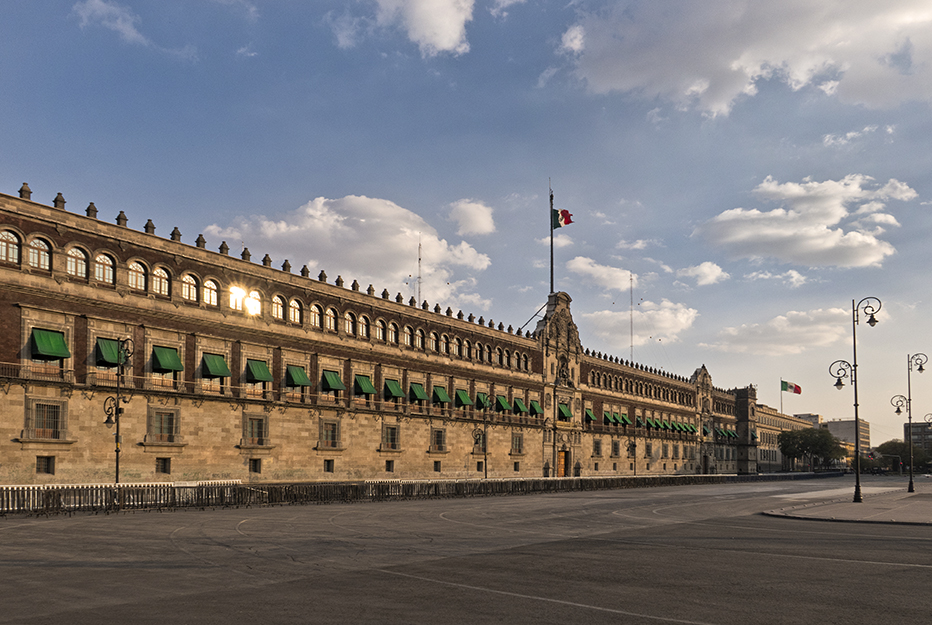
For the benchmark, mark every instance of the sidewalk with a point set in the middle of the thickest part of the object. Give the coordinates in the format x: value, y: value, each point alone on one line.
x: 891, y: 506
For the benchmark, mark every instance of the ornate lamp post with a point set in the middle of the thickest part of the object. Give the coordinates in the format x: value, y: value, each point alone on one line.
x: 899, y: 401
x: 842, y: 369
x: 113, y: 404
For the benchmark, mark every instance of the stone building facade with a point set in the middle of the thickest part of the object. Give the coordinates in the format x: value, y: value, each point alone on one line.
x: 230, y: 369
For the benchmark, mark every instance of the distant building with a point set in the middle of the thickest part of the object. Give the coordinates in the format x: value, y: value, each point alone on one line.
x: 922, y: 436
x: 770, y: 423
x: 814, y: 419
x: 843, y: 429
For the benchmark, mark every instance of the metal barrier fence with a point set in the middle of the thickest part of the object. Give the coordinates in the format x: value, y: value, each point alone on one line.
x: 59, y: 499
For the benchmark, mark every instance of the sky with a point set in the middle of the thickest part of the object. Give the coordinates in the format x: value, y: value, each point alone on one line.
x: 738, y: 172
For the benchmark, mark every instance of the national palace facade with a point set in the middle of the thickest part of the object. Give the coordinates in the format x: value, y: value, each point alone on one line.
x: 231, y: 369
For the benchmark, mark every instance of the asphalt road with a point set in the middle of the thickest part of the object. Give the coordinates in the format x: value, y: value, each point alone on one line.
x: 698, y: 554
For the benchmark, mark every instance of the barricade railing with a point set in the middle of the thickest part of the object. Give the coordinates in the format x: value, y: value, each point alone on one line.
x: 61, y: 499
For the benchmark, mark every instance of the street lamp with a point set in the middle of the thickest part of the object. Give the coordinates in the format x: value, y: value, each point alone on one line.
x: 113, y: 404
x: 899, y: 401
x: 842, y: 369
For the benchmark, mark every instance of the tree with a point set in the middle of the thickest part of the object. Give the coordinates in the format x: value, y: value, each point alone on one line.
x: 813, y: 442
x: 896, y: 447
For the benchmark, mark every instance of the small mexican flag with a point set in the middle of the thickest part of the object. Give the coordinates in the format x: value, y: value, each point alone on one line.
x: 789, y: 387
x: 560, y: 218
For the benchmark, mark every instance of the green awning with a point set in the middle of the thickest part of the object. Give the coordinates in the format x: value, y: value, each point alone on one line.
x: 616, y: 418
x: 418, y: 392
x: 565, y: 411
x: 535, y: 408
x: 49, y: 345
x: 440, y: 395
x: 501, y: 403
x: 692, y: 428
x: 257, y: 371
x: 627, y: 419
x: 607, y: 417
x: 462, y: 398
x: 676, y: 426
x: 754, y: 435
x: 732, y: 433
x: 589, y: 414
x: 482, y: 401
x: 520, y: 408
x: 363, y: 385
x: 215, y: 366
x: 295, y: 376
x: 650, y: 422
x: 393, y: 389
x: 332, y: 382
x: 640, y: 421
x: 108, y: 352
x: 165, y: 359
x: 665, y: 425
x: 706, y: 430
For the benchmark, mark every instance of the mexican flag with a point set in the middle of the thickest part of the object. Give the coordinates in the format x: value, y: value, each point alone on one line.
x: 560, y: 218
x: 789, y: 387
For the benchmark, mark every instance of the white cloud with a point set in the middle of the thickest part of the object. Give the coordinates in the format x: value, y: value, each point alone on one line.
x: 123, y: 21
x: 246, y: 51
x: 705, y: 273
x: 808, y: 230
x: 609, y: 278
x: 472, y: 217
x: 792, y: 333
x: 791, y: 278
x: 559, y: 240
x: 498, y: 8
x: 640, y: 244
x: 248, y: 8
x: 710, y: 54
x: 368, y: 239
x: 666, y: 268
x: 848, y: 137
x: 436, y: 26
x: 664, y: 322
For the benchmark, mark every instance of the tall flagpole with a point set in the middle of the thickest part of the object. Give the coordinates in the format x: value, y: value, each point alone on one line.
x: 550, y: 219
x: 781, y: 395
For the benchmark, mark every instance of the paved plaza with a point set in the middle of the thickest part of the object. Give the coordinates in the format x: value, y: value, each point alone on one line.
x: 701, y: 554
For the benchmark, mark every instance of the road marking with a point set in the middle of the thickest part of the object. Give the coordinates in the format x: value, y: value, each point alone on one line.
x: 547, y: 599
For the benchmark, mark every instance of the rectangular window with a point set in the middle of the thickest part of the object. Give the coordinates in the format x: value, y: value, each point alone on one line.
x: 436, y: 466
x: 597, y: 447
x: 595, y: 466
x: 438, y: 440
x: 616, y: 448
x: 648, y: 450
x: 479, y: 466
x: 479, y: 442
x: 665, y: 451
x: 47, y: 420
x: 517, y: 443
x: 328, y: 465
x: 329, y: 434
x: 162, y: 426
x: 517, y: 467
x: 45, y: 465
x: 163, y: 465
x: 255, y: 465
x: 255, y: 431
x: 390, y: 438
x: 389, y: 466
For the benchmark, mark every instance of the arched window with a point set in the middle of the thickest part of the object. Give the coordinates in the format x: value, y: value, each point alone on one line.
x: 524, y: 362
x: 393, y: 334
x: 137, y: 277
x: 458, y: 348
x: 77, y: 263
x: 409, y: 336
x: 330, y: 319
x: 278, y: 308
x: 160, y: 283
x: 189, y: 288
x: 295, y: 312
x: 39, y: 255
x: 211, y: 291
x: 363, y: 327
x: 253, y: 303
x: 315, y: 316
x: 432, y: 343
x: 467, y: 350
x: 349, y: 324
x: 479, y: 352
x: 419, y: 339
x: 9, y: 247
x: 380, y: 330
x: 500, y: 356
x: 488, y: 353
x: 103, y: 269
x: 508, y: 359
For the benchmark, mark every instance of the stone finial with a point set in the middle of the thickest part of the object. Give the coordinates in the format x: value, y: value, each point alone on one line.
x: 459, y: 315
x: 25, y: 192
x: 491, y: 323
x: 121, y: 219
x: 481, y: 320
x: 385, y: 294
x: 501, y: 326
x: 449, y: 312
x: 266, y: 261
x: 510, y: 329
x: 286, y: 266
x: 305, y: 272
x: 437, y: 308
x: 370, y: 290
x: 425, y: 305
x: 322, y: 276
x: 355, y: 285
x: 200, y: 241
x: 59, y: 201
x: 399, y: 299
x: 412, y: 301
x: 339, y: 281
x: 471, y: 318
x: 91, y: 211
x: 224, y: 248
x: 176, y: 234
x: 149, y: 227
x: 246, y: 255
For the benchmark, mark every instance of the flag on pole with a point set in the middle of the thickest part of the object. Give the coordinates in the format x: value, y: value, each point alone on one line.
x: 560, y: 218
x: 789, y: 387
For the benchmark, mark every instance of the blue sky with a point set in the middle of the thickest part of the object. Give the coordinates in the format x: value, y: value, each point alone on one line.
x: 750, y: 167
